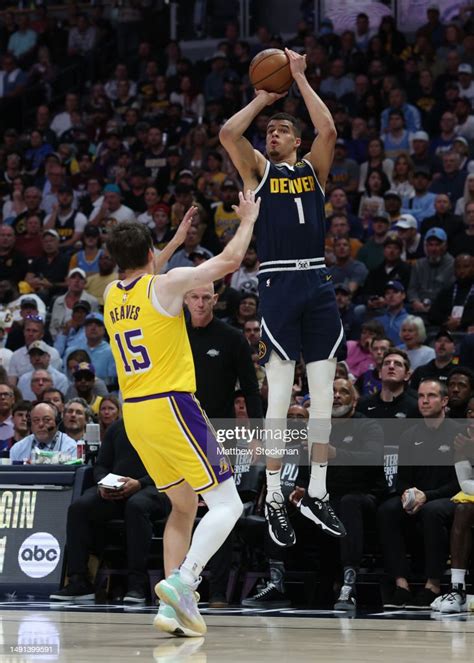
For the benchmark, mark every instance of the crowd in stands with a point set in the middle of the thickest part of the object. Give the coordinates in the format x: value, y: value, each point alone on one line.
x: 139, y: 140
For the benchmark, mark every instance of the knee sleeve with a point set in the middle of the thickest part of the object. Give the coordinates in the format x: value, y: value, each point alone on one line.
x: 280, y: 376
x: 320, y: 376
x: 225, y: 507
x: 465, y: 474
x: 225, y: 498
x: 467, y: 486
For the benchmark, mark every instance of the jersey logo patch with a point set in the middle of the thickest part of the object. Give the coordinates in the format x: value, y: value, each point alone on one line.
x: 224, y: 466
x: 328, y: 277
x: 262, y: 350
x: 213, y: 352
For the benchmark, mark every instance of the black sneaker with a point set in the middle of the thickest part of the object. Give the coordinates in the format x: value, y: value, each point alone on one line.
x: 268, y: 598
x: 422, y: 600
x: 78, y: 589
x: 135, y: 596
x: 322, y: 513
x: 279, y: 526
x: 346, y: 600
x: 400, y: 599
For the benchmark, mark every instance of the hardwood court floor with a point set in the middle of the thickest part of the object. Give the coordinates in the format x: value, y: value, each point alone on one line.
x: 78, y: 635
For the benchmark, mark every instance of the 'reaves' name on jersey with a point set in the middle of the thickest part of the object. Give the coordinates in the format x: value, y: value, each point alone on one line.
x: 297, y: 185
x: 127, y: 312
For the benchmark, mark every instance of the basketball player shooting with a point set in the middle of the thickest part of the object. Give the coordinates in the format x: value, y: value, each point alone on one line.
x: 297, y: 299
x: 145, y: 322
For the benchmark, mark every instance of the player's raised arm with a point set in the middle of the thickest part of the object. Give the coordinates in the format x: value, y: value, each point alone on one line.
x: 172, y: 287
x: 249, y: 162
x: 175, y: 242
x: 322, y: 149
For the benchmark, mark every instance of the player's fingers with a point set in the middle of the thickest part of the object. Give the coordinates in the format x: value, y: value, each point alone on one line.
x: 190, y: 213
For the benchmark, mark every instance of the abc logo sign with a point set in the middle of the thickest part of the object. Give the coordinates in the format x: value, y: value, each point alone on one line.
x: 39, y: 555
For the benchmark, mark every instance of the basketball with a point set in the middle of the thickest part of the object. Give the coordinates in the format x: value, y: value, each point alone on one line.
x: 270, y: 71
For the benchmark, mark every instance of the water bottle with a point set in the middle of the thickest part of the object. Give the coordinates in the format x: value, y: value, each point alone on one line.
x: 81, y: 450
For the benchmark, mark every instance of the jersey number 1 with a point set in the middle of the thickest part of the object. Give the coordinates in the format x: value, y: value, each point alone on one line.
x: 139, y: 358
x: 299, y: 207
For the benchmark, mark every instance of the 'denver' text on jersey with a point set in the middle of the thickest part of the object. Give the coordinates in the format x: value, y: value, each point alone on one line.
x: 291, y: 224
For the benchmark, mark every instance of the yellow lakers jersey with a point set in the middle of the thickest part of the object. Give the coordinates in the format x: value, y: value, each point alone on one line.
x: 225, y: 221
x: 151, y: 350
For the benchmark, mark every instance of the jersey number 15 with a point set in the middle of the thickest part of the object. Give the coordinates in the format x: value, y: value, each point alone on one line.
x: 135, y: 357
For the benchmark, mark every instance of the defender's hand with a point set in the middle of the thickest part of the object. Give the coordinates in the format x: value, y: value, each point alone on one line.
x: 184, y: 226
x: 248, y: 207
x: 297, y: 62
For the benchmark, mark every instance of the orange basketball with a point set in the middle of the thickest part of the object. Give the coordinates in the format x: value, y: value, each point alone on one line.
x: 270, y: 71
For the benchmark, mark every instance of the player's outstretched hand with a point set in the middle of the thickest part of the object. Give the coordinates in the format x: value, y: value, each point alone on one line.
x: 270, y: 97
x: 248, y: 208
x: 184, y: 226
x: 297, y: 62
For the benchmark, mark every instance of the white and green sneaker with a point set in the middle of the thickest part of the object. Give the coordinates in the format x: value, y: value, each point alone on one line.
x: 167, y: 620
x: 174, y: 592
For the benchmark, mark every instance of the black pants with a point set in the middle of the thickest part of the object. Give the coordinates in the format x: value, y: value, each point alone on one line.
x: 354, y: 510
x: 434, y: 520
x: 220, y: 566
x: 137, y: 511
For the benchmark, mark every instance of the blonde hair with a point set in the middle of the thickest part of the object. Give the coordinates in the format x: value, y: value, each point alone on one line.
x: 395, y: 176
x: 417, y: 322
x: 468, y: 197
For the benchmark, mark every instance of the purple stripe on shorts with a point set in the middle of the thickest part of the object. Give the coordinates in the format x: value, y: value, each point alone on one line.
x: 150, y: 397
x: 170, y: 485
x: 204, y: 436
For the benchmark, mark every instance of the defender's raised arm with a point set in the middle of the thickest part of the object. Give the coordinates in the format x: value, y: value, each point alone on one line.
x: 172, y: 286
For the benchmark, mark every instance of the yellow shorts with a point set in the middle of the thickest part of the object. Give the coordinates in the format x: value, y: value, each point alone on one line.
x: 462, y: 498
x: 175, y: 441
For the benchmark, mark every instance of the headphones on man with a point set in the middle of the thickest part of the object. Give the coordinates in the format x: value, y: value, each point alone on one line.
x: 57, y: 415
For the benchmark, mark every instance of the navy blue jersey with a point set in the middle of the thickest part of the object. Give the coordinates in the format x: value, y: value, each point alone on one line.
x: 291, y: 223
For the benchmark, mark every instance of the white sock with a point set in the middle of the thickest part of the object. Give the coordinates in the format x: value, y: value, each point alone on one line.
x: 317, y: 481
x: 190, y: 572
x: 458, y: 577
x: 273, y: 483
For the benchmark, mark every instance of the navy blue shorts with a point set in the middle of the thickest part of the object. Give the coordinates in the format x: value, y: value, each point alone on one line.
x: 300, y: 316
